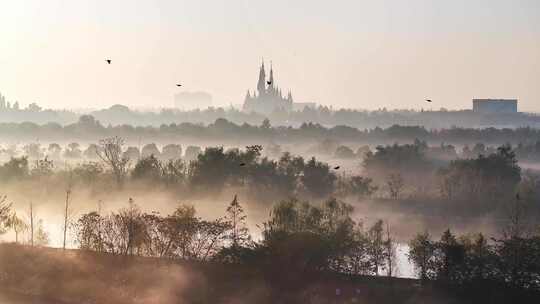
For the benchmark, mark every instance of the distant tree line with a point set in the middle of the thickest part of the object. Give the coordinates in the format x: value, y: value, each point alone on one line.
x: 88, y: 128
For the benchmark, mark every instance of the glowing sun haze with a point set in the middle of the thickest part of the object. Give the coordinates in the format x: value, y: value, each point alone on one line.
x: 360, y: 54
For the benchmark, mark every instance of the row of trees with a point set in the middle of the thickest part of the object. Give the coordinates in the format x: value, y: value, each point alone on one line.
x: 501, y: 270
x: 299, y: 236
x: 491, y: 178
x: 74, y: 151
x: 394, y: 170
x: 88, y: 128
x: 212, y: 170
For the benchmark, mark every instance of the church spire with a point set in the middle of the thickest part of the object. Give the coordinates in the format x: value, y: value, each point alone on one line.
x: 271, y: 75
x: 261, y: 85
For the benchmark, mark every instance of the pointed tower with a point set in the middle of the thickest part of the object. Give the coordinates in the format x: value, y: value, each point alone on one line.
x: 289, y: 97
x: 261, y: 85
x: 271, y: 75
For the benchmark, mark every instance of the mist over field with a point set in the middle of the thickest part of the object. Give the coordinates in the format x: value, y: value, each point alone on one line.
x: 231, y: 151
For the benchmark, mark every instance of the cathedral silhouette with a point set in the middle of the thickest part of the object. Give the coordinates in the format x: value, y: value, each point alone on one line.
x: 268, y: 98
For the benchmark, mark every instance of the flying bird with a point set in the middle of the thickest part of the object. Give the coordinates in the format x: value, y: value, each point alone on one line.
x: 242, y: 164
x: 178, y: 85
x: 108, y: 61
x: 429, y: 100
x: 269, y: 82
x: 336, y: 168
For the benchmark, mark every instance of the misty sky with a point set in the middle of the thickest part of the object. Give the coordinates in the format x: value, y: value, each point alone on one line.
x: 360, y: 54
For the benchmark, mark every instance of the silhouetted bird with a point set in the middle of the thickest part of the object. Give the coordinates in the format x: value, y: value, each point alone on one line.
x: 108, y: 61
x: 269, y: 82
x: 178, y: 85
x: 428, y: 100
x: 242, y: 164
x: 518, y: 197
x: 336, y: 168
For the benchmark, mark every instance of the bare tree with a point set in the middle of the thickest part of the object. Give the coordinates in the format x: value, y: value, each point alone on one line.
x: 110, y: 153
x: 31, y: 224
x: 66, y: 216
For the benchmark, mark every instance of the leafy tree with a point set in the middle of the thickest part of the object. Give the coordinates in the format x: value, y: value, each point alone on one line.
x: 408, y: 161
x: 150, y: 149
x: 92, y: 151
x: 148, y: 168
x: 494, y: 177
x: 344, y: 152
x: 359, y: 186
x: 88, y: 172
x: 318, y: 180
x: 15, y: 168
x: 174, y: 172
x: 449, y: 255
x: 363, y: 151
x: 422, y: 255
x: 53, y: 151
x: 132, y: 153
x: 171, y: 152
x: 210, y: 169
x: 73, y: 151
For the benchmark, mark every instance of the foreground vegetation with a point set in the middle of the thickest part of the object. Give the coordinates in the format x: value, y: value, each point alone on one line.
x: 314, y: 254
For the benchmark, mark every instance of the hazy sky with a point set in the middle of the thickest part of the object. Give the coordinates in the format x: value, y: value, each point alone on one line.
x: 361, y: 54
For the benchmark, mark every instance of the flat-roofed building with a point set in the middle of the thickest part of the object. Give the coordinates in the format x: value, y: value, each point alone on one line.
x: 495, y: 105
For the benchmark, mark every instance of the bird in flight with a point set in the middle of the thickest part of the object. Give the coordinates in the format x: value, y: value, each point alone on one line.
x: 336, y: 168
x: 178, y: 85
x: 269, y: 82
x: 242, y: 164
x: 428, y: 100
x: 108, y: 61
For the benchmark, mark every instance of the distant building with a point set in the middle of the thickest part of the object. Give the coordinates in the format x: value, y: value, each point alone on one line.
x: 495, y: 105
x: 268, y: 97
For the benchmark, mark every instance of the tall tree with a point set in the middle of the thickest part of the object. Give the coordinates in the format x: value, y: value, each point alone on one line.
x: 110, y: 153
x: 239, y: 234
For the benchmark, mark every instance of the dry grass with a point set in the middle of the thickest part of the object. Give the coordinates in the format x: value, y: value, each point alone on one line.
x: 83, y: 277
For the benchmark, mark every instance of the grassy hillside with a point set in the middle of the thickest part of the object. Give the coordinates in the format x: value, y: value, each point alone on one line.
x: 83, y: 277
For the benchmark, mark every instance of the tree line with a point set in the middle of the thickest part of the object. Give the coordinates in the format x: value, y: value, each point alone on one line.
x: 495, y: 270
x: 89, y: 128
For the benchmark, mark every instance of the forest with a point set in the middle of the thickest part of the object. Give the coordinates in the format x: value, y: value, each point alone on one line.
x: 306, y: 213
